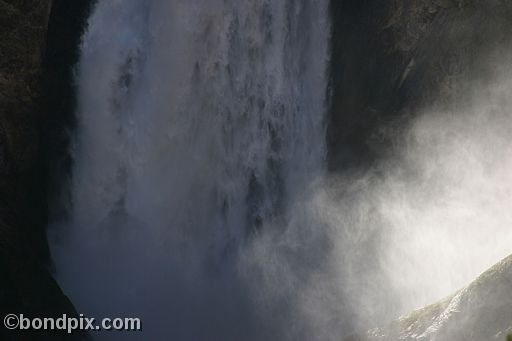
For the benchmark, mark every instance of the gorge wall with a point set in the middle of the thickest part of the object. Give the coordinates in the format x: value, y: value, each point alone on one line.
x: 418, y: 89
x: 395, y: 57
x: 26, y: 285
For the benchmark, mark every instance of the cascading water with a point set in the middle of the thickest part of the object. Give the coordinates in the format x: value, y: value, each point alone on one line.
x: 200, y: 130
x: 200, y: 201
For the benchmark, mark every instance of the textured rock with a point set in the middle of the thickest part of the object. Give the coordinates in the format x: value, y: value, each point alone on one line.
x: 392, y: 57
x: 22, y: 36
x: 25, y: 284
x: 481, y: 311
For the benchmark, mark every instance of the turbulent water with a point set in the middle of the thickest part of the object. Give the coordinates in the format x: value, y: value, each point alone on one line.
x: 199, y: 197
x: 200, y: 130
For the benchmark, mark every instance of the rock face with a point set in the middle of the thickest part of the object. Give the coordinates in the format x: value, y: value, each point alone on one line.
x: 481, y: 311
x: 392, y: 57
x: 67, y: 21
x: 390, y: 60
x: 25, y: 284
x: 22, y: 37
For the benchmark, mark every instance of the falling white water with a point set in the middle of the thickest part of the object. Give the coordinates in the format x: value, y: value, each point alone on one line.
x: 199, y: 199
x: 200, y: 129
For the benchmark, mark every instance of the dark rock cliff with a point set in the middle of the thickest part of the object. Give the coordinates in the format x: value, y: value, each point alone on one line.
x: 26, y: 286
x: 22, y: 38
x: 392, y: 57
x: 67, y: 22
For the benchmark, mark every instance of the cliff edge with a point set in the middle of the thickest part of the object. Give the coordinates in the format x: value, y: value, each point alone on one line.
x: 26, y: 286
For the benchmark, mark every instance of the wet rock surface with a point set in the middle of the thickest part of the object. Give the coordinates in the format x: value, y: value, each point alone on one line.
x: 481, y: 311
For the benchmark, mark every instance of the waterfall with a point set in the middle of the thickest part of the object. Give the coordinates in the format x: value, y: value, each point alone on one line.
x: 200, y: 202
x: 200, y: 135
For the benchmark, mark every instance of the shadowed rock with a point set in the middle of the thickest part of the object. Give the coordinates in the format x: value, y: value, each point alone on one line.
x: 26, y: 287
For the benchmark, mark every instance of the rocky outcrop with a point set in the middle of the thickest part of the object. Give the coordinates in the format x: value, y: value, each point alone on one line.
x: 481, y: 311
x: 392, y: 57
x: 25, y: 284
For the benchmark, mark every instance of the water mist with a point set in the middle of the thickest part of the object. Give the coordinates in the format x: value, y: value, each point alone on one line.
x: 200, y: 130
x: 200, y: 199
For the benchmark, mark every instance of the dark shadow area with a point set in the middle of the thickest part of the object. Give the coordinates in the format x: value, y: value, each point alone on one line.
x: 68, y: 20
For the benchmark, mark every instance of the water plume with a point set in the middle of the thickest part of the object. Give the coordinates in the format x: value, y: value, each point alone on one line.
x: 200, y: 199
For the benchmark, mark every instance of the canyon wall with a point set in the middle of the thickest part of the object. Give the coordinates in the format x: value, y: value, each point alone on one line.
x: 26, y: 285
